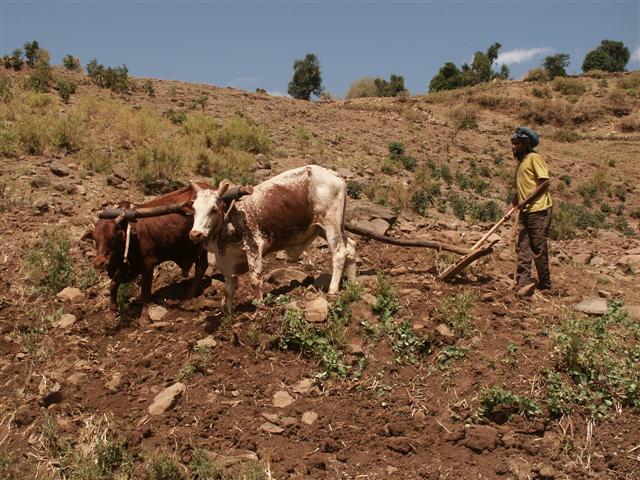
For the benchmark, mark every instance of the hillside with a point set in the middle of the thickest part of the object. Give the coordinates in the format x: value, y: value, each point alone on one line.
x: 407, y: 377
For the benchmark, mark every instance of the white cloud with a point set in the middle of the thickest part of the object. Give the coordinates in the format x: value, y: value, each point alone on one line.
x: 635, y: 55
x: 522, y: 55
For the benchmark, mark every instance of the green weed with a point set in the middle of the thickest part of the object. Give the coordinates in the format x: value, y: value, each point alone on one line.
x: 499, y: 405
x: 455, y: 311
x: 50, y: 264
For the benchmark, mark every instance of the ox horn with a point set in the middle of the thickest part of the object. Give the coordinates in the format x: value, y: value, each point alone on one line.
x: 195, y: 186
x: 119, y: 218
x: 223, y: 187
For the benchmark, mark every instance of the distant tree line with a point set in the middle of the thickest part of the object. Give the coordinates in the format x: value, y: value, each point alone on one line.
x: 609, y: 56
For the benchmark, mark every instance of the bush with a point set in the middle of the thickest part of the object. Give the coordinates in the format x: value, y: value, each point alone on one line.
x: 598, y: 358
x: 486, y: 212
x: 65, y: 88
x: 629, y: 125
x: 363, y: 87
x: 68, y: 133
x: 456, y: 312
x: 243, y: 134
x: 14, y: 61
x: 165, y: 467
x: 566, y: 136
x: 31, y: 50
x: 116, y: 79
x: 425, y: 196
x: 499, y: 405
x: 630, y: 81
x: 49, y: 264
x: 568, y: 86
x: 354, y: 189
x: 5, y: 88
x: 33, y: 132
x: 392, y: 88
x: 156, y: 162
x: 538, y: 74
x: 71, y: 63
x: 177, y: 118
x: 569, y: 219
x: 40, y: 78
x: 555, y: 65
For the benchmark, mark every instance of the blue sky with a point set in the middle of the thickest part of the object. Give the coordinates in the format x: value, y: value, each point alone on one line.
x: 250, y: 44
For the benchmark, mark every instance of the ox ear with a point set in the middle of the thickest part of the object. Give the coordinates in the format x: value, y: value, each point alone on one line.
x: 223, y: 187
x: 195, y: 186
x: 187, y: 208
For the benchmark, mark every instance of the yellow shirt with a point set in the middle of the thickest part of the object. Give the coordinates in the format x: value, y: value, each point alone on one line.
x: 532, y: 168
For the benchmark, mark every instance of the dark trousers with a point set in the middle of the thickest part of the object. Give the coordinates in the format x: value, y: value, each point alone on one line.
x: 533, y: 231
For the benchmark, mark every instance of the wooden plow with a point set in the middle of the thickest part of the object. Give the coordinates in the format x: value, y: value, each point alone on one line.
x: 469, y: 255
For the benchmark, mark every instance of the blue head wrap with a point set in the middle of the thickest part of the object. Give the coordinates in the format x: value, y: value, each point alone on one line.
x: 526, y: 135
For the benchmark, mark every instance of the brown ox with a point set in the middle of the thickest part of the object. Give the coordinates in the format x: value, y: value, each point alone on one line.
x: 286, y: 212
x: 152, y: 241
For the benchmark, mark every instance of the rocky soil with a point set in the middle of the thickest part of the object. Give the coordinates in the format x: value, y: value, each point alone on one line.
x: 195, y: 380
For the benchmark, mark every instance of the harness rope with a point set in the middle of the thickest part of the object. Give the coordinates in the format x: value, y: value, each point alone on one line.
x: 127, y: 242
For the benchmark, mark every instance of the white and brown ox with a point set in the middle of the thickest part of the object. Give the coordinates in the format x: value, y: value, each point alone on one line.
x: 286, y: 212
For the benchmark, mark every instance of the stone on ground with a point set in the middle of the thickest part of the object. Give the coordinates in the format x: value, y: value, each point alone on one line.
x: 282, y: 399
x: 592, y: 306
x: 166, y: 399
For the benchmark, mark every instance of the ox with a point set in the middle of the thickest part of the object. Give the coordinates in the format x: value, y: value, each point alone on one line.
x: 152, y: 241
x: 286, y: 212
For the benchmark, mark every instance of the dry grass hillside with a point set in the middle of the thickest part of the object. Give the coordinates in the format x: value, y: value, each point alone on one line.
x: 403, y: 376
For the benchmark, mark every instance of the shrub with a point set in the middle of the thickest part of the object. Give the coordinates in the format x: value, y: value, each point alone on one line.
x: 33, y: 134
x: 68, y: 133
x: 499, y: 405
x: 630, y: 81
x: 177, y: 118
x: 116, y: 79
x: 363, y: 87
x: 234, y: 165
x: 325, y: 344
x: 455, y: 311
x: 165, y: 467
x: 459, y: 206
x: 40, y: 78
x: 555, y: 65
x: 629, y: 125
x: 425, y: 196
x: 566, y: 136
x: 5, y: 88
x: 536, y: 75
x: 568, y: 86
x: 486, y: 212
x: 71, y: 63
x: 161, y: 161
x: 31, y: 50
x: 243, y: 134
x: 354, y: 189
x: 396, y: 149
x: 65, y: 88
x: 8, y: 143
x: 465, y: 118
x: 392, y: 88
x: 598, y: 358
x: 147, y: 86
x: 14, y: 60
x: 50, y: 264
x: 569, y: 219
x: 541, y: 92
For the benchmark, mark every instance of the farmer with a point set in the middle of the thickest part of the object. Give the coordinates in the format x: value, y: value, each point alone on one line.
x: 534, y: 219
